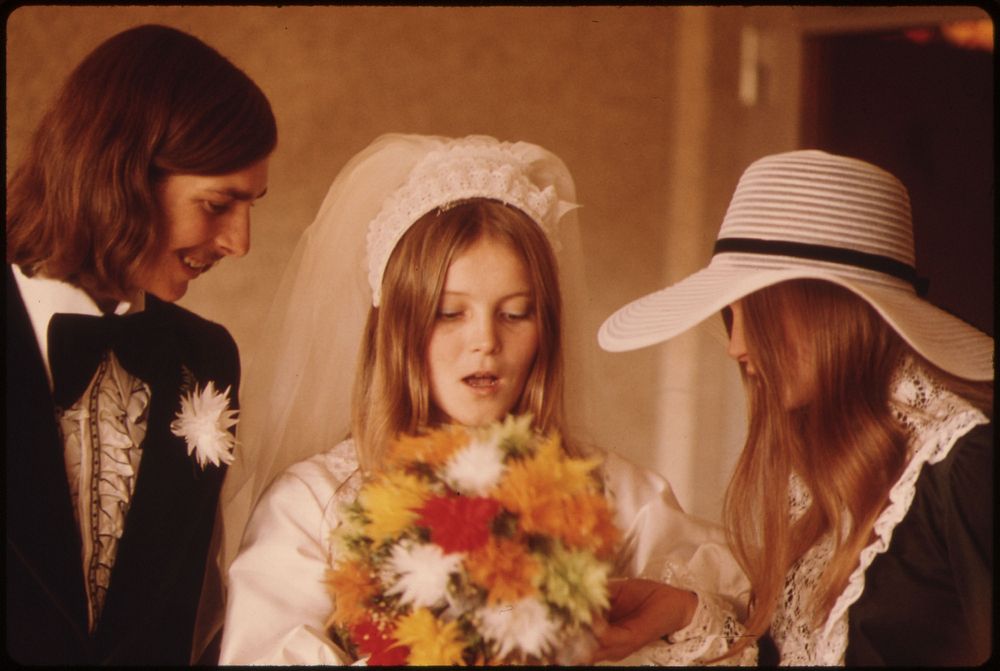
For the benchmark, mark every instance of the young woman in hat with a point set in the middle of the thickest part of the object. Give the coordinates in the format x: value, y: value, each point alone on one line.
x: 138, y: 180
x: 431, y: 264
x: 874, y: 407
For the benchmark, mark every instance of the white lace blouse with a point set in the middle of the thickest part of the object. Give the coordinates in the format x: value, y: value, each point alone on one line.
x: 278, y: 605
x: 935, y: 419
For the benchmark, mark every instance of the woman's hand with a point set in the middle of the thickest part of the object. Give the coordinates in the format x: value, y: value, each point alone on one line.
x: 641, y: 612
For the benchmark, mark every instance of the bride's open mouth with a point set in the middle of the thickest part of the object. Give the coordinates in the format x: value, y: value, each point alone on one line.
x: 481, y: 380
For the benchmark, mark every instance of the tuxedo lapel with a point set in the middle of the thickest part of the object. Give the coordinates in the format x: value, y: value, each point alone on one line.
x: 171, y: 508
x: 44, y: 573
x: 152, y: 598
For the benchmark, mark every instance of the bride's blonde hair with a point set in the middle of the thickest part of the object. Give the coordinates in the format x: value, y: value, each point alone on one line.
x: 392, y: 388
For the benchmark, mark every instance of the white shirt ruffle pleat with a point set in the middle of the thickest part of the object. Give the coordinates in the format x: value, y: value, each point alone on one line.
x: 278, y: 604
x: 102, y: 433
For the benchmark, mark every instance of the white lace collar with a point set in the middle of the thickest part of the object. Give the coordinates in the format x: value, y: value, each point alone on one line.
x: 935, y: 419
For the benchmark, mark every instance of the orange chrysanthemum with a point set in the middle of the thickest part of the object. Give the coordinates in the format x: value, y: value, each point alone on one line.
x: 584, y: 521
x: 505, y: 568
x: 537, y: 489
x: 549, y: 470
x: 432, y: 449
x: 351, y: 584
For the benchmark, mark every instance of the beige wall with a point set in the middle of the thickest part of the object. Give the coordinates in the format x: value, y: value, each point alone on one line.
x: 641, y: 102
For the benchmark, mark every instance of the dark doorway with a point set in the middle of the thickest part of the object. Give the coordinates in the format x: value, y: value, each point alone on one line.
x: 920, y: 106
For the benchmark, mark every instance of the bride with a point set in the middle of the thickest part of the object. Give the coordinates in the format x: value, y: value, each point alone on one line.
x: 427, y: 291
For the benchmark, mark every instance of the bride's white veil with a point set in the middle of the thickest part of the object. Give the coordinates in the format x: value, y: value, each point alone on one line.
x: 296, y: 393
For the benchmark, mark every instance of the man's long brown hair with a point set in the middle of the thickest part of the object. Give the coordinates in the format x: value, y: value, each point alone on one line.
x: 147, y: 103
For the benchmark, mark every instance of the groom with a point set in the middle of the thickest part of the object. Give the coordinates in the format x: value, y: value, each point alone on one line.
x: 121, y: 406
x: 75, y: 593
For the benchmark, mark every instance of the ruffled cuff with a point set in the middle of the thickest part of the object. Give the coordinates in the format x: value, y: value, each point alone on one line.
x: 710, y: 634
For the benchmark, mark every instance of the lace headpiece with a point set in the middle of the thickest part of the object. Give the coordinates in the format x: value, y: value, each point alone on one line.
x: 462, y: 169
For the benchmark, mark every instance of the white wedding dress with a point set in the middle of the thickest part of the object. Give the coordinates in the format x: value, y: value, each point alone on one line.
x: 278, y: 602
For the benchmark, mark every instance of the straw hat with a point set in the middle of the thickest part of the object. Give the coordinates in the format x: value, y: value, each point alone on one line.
x: 810, y: 214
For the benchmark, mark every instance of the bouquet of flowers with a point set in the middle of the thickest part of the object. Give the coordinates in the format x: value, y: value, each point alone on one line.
x: 473, y: 546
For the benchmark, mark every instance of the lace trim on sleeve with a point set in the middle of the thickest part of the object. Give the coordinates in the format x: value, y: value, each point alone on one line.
x: 710, y: 634
x: 713, y: 629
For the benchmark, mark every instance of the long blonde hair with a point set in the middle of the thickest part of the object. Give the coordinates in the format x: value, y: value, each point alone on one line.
x: 844, y: 444
x: 391, y: 388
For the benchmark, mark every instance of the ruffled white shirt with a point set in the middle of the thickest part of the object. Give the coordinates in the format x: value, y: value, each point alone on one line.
x: 278, y: 604
x: 102, y: 433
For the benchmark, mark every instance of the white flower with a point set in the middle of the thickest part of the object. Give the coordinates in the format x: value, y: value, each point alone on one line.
x: 524, y: 625
x: 476, y: 468
x: 423, y: 572
x: 203, y: 422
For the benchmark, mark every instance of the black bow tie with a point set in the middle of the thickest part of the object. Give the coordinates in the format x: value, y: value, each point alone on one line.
x: 77, y: 344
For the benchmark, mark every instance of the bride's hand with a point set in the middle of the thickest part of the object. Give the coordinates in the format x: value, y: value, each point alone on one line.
x: 642, y: 611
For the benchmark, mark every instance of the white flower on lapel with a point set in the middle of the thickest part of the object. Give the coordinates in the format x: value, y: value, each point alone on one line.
x: 203, y: 422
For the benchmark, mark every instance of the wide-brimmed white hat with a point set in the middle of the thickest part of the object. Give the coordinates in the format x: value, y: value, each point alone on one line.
x: 810, y: 214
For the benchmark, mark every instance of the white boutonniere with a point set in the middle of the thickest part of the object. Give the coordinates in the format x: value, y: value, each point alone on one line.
x: 203, y: 422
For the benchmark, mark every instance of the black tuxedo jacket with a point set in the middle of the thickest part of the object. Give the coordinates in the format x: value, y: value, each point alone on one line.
x: 150, y: 608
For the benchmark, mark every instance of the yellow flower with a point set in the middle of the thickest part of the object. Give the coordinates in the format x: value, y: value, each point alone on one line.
x: 505, y: 568
x: 351, y: 584
x: 431, y: 642
x: 390, y: 502
x: 432, y: 448
x: 574, y: 474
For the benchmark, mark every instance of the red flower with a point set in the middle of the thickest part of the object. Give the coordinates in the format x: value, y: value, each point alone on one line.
x: 383, y: 649
x: 458, y: 523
